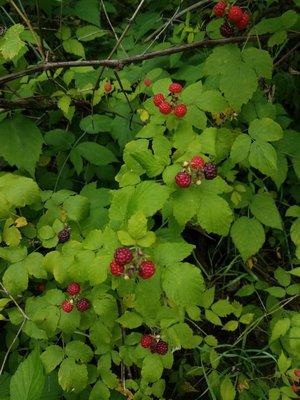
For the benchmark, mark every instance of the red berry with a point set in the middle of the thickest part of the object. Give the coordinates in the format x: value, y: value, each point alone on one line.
x: 158, y: 99
x: 243, y: 22
x: 180, y: 110
x: 219, y: 9
x: 146, y: 341
x: 297, y: 373
x: 40, y: 287
x: 226, y: 30
x: 116, y: 269
x: 147, y: 82
x: 197, y: 162
x: 123, y: 255
x: 295, y: 388
x: 147, y: 269
x: 66, y: 306
x: 161, y: 347
x: 165, y: 107
x: 183, y: 179
x: 210, y: 171
x: 73, y: 289
x: 107, y: 87
x: 175, y: 88
x: 153, y: 346
x: 83, y: 304
x: 235, y: 14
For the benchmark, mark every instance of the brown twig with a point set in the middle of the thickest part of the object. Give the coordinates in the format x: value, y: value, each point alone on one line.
x: 285, y: 56
x: 119, y: 63
x: 177, y: 14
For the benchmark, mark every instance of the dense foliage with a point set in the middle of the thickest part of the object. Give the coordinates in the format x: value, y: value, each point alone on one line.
x: 150, y: 232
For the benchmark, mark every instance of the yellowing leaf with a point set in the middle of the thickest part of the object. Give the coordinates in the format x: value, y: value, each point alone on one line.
x: 144, y: 115
x: 20, y: 222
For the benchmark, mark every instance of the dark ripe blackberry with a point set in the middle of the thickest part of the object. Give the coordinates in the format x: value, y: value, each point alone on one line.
x: 226, y: 30
x: 161, y: 347
x: 153, y: 346
x: 64, y: 235
x: 210, y: 171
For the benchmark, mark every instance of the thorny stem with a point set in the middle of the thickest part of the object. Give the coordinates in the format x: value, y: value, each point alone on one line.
x: 119, y: 63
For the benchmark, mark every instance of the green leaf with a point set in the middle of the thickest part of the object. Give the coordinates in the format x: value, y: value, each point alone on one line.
x: 77, y: 207
x: 214, y: 214
x: 276, y: 291
x: 212, y: 101
x: 137, y: 225
x: 89, y: 32
x: 240, y: 148
x: 100, y: 391
x: 208, y: 141
x: 95, y: 153
x: 60, y: 139
x: 263, y: 157
x: 260, y: 60
x: 263, y: 207
x: 152, y: 368
x: 88, y: 10
x: 231, y: 326
x: 293, y: 211
x: 227, y: 389
x: 280, y: 329
x: 183, y: 283
x: 34, y: 264
x: 72, y: 46
x: 282, y: 277
x: 96, y: 123
x: 284, y: 363
x: 21, y: 142
x: 222, y: 308
x: 12, y: 44
x: 265, y: 129
x: 52, y: 357
x: 130, y: 320
x: 15, y: 278
x: 28, y: 381
x: 213, y: 318
x: 248, y: 235
x: 181, y: 335
x: 79, y: 351
x: 18, y: 190
x: 72, y: 377
x: 191, y: 93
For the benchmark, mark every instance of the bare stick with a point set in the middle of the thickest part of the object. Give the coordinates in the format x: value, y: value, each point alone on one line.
x: 12, y: 298
x: 119, y: 63
x: 177, y: 14
x: 11, y: 346
x: 111, y: 27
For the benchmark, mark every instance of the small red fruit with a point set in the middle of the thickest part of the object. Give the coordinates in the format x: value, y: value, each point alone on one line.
x: 40, y: 287
x: 175, y: 87
x: 183, y: 179
x: 146, y: 341
x: 235, y: 14
x: 158, y: 99
x: 123, y: 255
x: 67, y: 306
x: 210, y: 171
x: 165, y: 107
x: 116, y: 269
x: 197, y: 162
x: 147, y: 269
x: 180, y: 110
x: 219, y: 9
x: 73, y: 289
x: 147, y: 82
x: 83, y: 304
x: 226, y: 30
x: 107, y: 87
x: 243, y: 22
x: 161, y: 347
x: 297, y: 373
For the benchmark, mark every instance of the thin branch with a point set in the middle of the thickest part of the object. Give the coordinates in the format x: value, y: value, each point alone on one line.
x: 28, y: 23
x: 119, y: 63
x: 14, y: 301
x: 111, y: 26
x: 159, y: 30
x: 285, y: 56
x: 11, y: 345
x: 122, y: 88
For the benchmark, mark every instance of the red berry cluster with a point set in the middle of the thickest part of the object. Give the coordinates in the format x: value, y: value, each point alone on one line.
x: 195, y: 171
x: 82, y: 304
x: 235, y: 17
x: 166, y: 107
x: 127, y: 264
x: 295, y: 388
x: 147, y: 82
x: 154, y: 344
